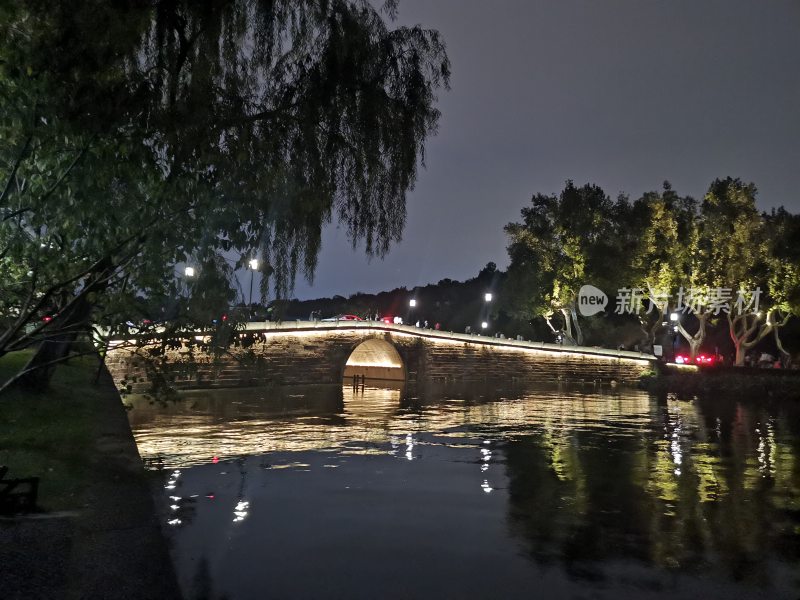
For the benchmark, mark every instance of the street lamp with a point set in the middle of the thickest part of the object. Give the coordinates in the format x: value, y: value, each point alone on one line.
x: 673, y: 317
x: 253, y: 268
x: 484, y: 325
x: 487, y: 296
x: 189, y: 271
x: 412, y: 303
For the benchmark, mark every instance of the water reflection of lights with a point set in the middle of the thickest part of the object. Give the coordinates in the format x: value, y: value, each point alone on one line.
x: 675, y: 449
x: 173, y: 480
x: 674, y: 436
x: 240, y: 511
x: 765, y: 452
x: 486, y: 456
x: 370, y: 419
x: 409, y: 447
x: 394, y: 442
x: 485, y: 486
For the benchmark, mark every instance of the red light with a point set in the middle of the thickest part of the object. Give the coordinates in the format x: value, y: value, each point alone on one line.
x: 215, y: 459
x: 210, y: 496
x: 224, y: 318
x: 681, y: 360
x: 47, y: 318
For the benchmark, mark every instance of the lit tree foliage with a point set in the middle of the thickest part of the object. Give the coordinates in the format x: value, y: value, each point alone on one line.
x: 676, y: 253
x: 662, y: 230
x: 749, y: 251
x: 562, y: 243
x: 783, y: 283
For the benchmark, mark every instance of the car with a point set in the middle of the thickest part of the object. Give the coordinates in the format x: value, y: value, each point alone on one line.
x: 700, y: 359
x: 342, y: 318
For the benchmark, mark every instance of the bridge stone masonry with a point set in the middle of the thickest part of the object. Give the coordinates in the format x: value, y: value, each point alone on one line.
x: 320, y: 352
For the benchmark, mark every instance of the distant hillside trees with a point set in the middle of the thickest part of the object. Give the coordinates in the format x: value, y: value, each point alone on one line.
x: 455, y: 305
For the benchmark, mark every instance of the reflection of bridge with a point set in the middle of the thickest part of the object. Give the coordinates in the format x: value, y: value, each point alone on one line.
x: 317, y: 352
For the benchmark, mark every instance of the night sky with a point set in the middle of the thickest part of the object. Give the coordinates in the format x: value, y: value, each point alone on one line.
x: 624, y: 94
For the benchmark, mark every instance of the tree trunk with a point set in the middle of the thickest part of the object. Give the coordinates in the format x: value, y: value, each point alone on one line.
x: 567, y: 333
x: 54, y: 349
x: 578, y: 330
x: 744, y: 335
x: 567, y: 323
x: 66, y: 325
x: 787, y: 358
x: 741, y: 352
x: 696, y: 340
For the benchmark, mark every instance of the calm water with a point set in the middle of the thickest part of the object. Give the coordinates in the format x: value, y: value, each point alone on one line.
x: 331, y: 492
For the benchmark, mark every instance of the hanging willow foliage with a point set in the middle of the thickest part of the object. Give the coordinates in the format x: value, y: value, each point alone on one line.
x: 138, y: 134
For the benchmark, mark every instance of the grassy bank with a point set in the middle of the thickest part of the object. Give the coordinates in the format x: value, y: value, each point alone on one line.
x: 48, y: 435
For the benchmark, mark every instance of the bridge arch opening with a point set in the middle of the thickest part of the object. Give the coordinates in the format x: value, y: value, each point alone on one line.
x: 375, y: 359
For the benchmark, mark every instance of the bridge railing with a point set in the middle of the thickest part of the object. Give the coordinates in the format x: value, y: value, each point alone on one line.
x: 472, y: 338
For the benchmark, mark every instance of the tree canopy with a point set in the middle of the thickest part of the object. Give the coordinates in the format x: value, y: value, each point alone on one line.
x: 138, y: 136
x: 717, y: 261
x: 560, y: 242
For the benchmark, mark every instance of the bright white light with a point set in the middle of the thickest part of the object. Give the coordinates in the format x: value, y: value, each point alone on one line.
x: 240, y: 511
x: 673, y: 317
x: 409, y: 447
x: 412, y: 303
x: 254, y: 264
x: 487, y: 296
x: 189, y: 271
x: 484, y: 325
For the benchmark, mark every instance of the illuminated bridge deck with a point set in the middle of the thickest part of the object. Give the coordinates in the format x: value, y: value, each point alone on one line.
x: 291, y: 352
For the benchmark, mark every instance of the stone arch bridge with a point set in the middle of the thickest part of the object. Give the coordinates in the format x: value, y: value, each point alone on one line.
x: 322, y: 352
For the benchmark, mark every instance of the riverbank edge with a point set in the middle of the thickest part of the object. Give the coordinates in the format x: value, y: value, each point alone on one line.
x: 768, y: 383
x: 108, y: 543
x: 119, y: 550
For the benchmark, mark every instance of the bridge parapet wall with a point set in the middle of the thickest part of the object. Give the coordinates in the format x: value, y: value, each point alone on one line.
x: 310, y: 353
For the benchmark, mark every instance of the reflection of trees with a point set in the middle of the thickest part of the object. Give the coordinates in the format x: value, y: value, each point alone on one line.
x: 565, y: 488
x: 706, y: 487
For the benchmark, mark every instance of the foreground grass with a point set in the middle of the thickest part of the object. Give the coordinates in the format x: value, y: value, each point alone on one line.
x: 49, y: 435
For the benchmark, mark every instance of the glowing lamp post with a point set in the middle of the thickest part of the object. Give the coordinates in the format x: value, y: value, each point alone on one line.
x: 189, y: 271
x: 487, y: 297
x: 412, y: 303
x: 253, y: 268
x: 673, y: 317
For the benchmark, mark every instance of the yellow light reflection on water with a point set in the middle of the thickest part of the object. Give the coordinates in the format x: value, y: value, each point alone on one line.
x: 208, y: 425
